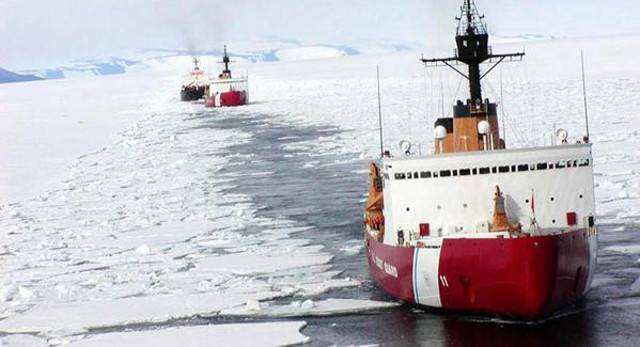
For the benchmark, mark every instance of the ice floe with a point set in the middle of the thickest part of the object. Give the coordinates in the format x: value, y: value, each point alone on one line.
x: 308, y: 307
x: 84, y: 315
x: 627, y: 249
x: 21, y: 340
x: 223, y: 335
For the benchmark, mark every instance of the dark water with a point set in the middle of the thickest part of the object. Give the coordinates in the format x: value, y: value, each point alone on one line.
x: 328, y: 196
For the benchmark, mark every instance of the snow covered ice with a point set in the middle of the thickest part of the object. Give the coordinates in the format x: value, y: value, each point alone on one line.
x: 135, y: 221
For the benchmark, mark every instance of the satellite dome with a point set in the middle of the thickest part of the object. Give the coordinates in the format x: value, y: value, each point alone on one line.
x: 484, y: 127
x: 440, y: 132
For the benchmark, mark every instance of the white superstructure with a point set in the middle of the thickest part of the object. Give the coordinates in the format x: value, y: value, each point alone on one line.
x: 453, y: 193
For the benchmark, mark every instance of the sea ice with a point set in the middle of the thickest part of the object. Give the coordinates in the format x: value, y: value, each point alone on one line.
x: 19, y: 340
x: 635, y: 287
x: 78, y: 316
x: 309, y: 307
x: 627, y: 249
x: 223, y: 335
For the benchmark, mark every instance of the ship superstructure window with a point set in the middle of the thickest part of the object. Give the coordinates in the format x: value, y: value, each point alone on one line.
x: 583, y: 162
x: 492, y: 169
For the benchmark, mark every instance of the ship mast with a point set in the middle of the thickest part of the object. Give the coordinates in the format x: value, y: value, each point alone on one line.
x: 226, y: 73
x: 473, y: 49
x: 474, y: 126
x: 226, y: 60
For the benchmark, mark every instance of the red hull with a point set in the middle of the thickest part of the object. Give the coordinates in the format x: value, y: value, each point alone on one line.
x: 523, y: 277
x: 228, y: 99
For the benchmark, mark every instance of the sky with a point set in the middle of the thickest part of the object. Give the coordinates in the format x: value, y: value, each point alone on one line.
x: 41, y: 33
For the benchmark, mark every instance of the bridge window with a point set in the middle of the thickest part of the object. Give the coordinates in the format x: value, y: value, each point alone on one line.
x: 583, y: 162
x: 503, y: 169
x: 425, y: 174
x: 445, y: 173
x: 465, y: 172
x: 523, y: 167
x: 484, y: 170
x: 494, y: 169
x: 541, y: 166
x: 400, y: 176
x: 561, y: 164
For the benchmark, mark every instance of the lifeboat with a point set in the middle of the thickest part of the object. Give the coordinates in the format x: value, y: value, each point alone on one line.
x: 225, y: 90
x: 477, y: 227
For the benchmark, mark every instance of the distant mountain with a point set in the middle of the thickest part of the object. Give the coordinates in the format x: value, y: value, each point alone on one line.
x: 268, y: 51
x: 95, y: 67
x: 7, y: 76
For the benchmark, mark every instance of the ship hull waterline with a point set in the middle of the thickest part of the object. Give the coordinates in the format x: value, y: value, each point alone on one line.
x: 525, y: 278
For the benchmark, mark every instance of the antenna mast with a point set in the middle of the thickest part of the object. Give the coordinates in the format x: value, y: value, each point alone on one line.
x: 379, y: 112
x: 473, y: 49
x: 584, y: 93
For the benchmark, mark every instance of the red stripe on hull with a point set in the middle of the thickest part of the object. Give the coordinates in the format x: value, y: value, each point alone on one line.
x: 524, y: 277
x: 228, y: 99
x: 400, y: 258
x: 235, y: 98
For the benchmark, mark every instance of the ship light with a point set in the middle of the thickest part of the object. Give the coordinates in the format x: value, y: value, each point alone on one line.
x: 572, y: 218
x: 424, y: 229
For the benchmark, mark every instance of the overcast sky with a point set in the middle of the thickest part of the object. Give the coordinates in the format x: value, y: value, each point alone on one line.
x: 40, y: 33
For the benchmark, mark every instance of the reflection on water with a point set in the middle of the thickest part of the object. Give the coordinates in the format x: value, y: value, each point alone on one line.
x: 326, y: 192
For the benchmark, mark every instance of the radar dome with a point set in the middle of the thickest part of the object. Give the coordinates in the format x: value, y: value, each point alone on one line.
x: 484, y: 127
x: 405, y: 146
x: 562, y: 135
x: 440, y: 132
